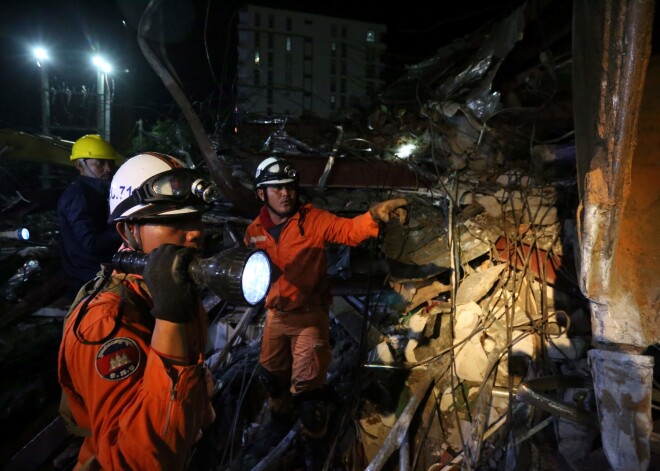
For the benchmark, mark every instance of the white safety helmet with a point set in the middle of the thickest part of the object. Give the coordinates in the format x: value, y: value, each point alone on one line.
x: 154, y: 186
x: 275, y: 171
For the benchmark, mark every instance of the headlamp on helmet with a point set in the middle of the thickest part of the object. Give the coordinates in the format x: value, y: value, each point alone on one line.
x: 275, y: 171
x: 154, y: 186
x: 179, y: 186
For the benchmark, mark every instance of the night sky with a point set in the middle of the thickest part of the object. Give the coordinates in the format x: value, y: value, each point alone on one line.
x: 196, y: 33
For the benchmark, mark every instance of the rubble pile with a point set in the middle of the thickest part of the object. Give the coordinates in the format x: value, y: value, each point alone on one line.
x: 479, y: 301
x: 470, y: 351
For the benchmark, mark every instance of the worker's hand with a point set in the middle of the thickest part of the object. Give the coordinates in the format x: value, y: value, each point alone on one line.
x: 387, y: 210
x: 173, y: 293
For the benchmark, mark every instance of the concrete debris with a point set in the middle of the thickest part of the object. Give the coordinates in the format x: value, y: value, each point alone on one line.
x: 471, y: 360
x: 475, y: 286
x: 381, y: 354
x: 624, y: 429
x: 416, y: 325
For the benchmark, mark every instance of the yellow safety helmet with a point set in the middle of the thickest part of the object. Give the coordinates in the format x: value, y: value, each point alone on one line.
x: 92, y: 146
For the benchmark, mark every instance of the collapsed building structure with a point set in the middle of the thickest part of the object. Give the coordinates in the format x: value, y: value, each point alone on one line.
x: 512, y: 324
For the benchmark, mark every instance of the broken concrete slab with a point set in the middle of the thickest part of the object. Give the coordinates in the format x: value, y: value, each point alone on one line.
x: 475, y: 286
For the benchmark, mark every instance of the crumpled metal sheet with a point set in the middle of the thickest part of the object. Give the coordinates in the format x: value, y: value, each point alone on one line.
x: 463, y: 71
x: 420, y: 249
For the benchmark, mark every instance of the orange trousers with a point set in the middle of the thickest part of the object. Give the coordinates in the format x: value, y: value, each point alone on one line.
x: 296, y: 347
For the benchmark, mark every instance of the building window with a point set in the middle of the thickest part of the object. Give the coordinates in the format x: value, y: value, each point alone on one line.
x: 343, y: 67
x: 270, y: 78
x: 271, y: 21
x: 257, y: 19
x: 288, y: 44
x: 333, y: 30
x: 289, y: 24
x: 257, y: 39
x: 342, y: 84
x: 344, y: 50
x: 256, y: 75
x: 333, y: 67
x: 333, y: 84
x: 271, y: 59
x: 271, y: 41
x: 371, y: 36
x: 333, y: 48
x: 257, y: 59
x: 343, y: 32
x: 333, y: 102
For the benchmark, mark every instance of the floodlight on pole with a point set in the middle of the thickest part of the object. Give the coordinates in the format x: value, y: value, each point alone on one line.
x: 103, y: 68
x: 101, y: 64
x: 41, y: 54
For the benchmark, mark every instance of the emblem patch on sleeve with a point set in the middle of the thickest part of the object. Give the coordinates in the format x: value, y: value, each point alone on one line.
x: 118, y: 359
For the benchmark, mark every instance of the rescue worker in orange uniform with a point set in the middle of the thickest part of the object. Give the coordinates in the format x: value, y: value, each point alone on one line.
x: 131, y: 358
x: 295, y: 350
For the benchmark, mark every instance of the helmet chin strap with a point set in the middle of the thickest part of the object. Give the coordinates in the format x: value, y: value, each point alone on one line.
x: 89, y: 169
x: 132, y: 243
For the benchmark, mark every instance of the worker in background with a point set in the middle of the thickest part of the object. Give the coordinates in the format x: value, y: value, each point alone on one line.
x: 131, y: 361
x: 86, y: 238
x: 295, y: 350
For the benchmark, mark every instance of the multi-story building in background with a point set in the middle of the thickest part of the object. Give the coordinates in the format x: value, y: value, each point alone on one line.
x: 290, y: 63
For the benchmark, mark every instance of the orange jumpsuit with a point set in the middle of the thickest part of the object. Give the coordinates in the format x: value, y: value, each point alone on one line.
x: 142, y: 414
x: 296, y: 341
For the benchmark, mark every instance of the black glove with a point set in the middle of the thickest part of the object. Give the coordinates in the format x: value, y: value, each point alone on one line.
x: 172, y: 291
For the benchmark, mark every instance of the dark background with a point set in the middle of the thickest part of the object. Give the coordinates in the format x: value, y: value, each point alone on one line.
x: 199, y: 44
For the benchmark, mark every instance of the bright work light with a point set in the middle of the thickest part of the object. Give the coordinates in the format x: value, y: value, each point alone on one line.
x: 101, y: 64
x: 239, y: 275
x: 40, y: 53
x: 21, y: 234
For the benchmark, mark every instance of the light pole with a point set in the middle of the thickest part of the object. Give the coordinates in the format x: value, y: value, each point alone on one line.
x: 41, y: 55
x: 42, y: 62
x: 103, y: 68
